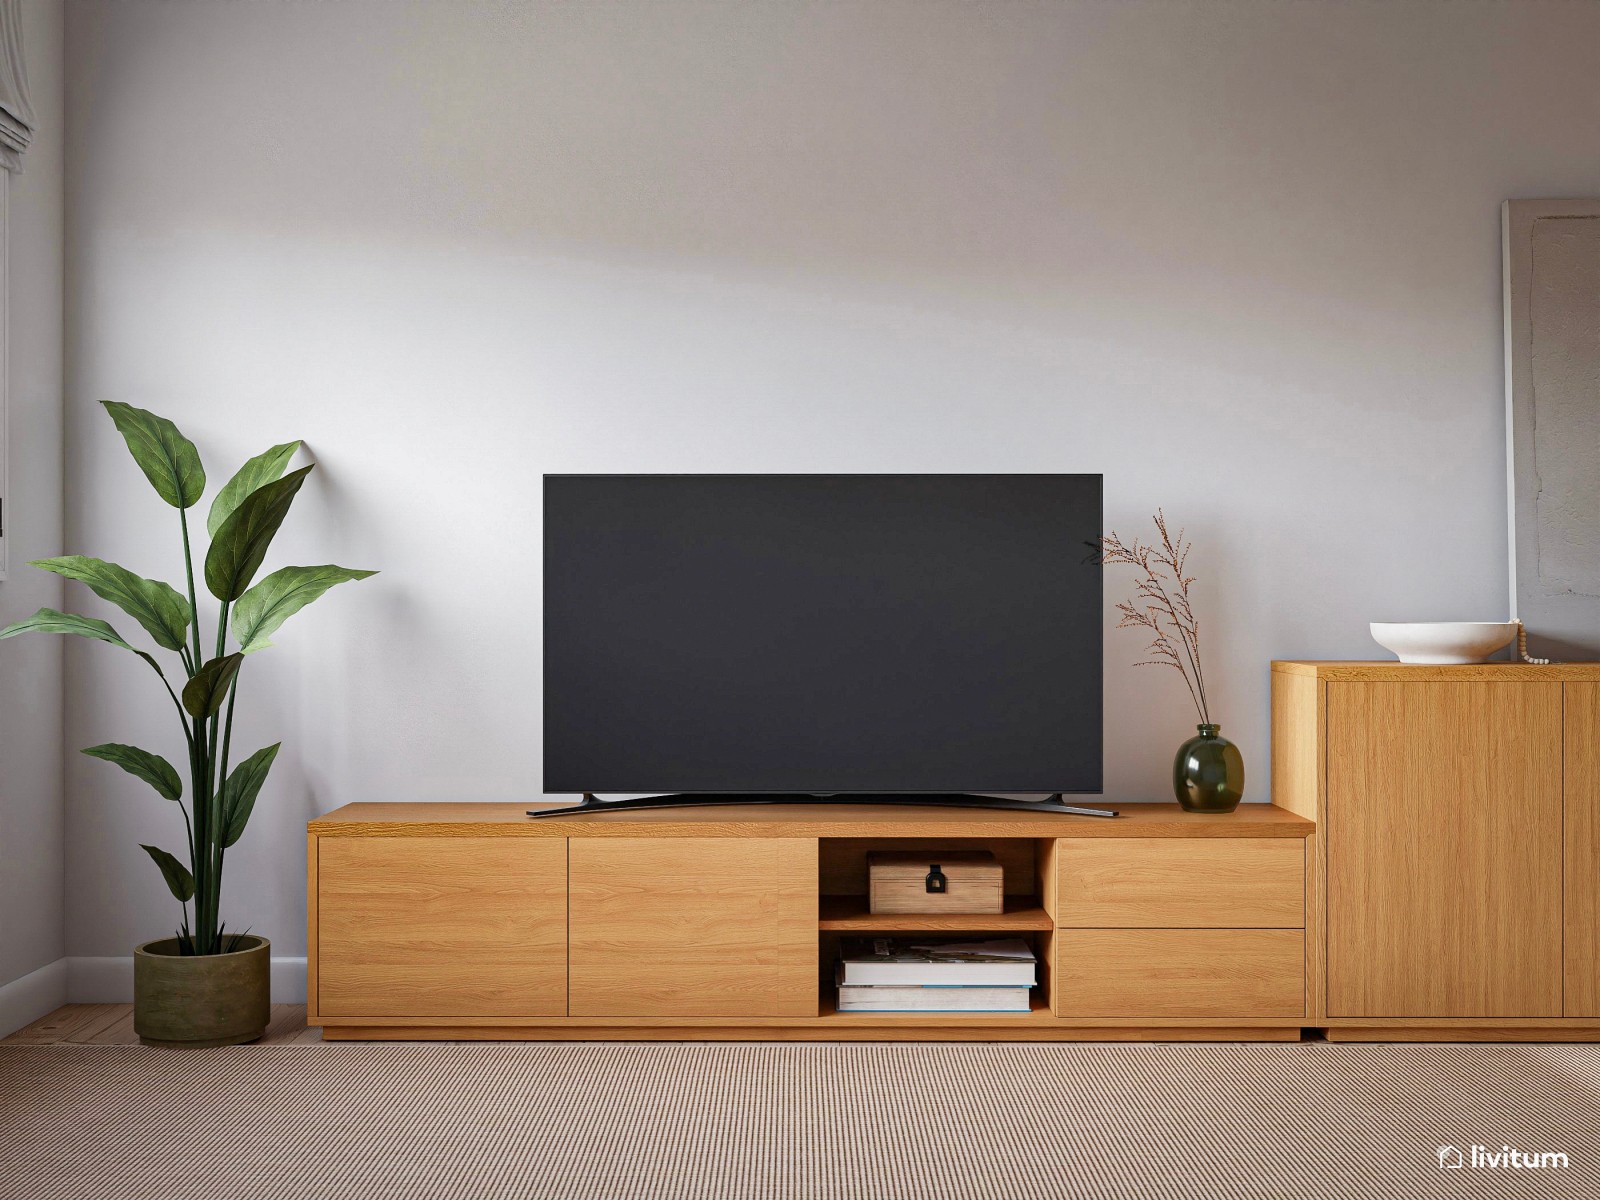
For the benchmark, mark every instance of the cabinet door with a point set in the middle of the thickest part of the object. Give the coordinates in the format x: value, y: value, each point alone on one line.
x: 1444, y: 849
x: 441, y: 926
x: 677, y: 927
x: 1582, y: 754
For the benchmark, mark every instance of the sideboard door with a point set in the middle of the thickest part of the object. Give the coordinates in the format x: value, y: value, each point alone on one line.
x: 1582, y: 749
x: 693, y: 927
x: 1444, y: 849
x: 441, y: 927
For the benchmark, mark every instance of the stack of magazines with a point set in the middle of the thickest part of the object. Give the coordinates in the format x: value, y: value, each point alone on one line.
x: 921, y: 975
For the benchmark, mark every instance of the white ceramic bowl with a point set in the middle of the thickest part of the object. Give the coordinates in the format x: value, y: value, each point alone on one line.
x: 1444, y: 642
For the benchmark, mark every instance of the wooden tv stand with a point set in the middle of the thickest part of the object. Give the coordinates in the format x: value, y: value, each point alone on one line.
x: 458, y: 921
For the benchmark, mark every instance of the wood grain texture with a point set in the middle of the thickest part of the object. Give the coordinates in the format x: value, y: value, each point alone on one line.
x: 1398, y: 672
x: 1147, y: 884
x: 802, y: 821
x: 1461, y: 1033
x: 821, y: 1016
x: 112, y: 1025
x: 1179, y: 973
x: 1047, y: 858
x: 693, y: 927
x: 312, y: 947
x: 897, y: 881
x: 1299, y: 722
x: 441, y: 927
x: 833, y: 1032
x: 69, y: 1023
x: 849, y: 913
x: 1444, y: 849
x: 1581, y: 750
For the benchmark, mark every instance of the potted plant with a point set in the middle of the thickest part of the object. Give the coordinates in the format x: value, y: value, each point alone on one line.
x: 206, y: 985
x: 1208, y: 771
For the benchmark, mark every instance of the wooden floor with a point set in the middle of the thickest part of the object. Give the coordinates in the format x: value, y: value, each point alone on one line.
x: 112, y: 1025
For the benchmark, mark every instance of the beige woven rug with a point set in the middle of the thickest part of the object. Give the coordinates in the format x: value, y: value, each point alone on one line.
x: 707, y: 1121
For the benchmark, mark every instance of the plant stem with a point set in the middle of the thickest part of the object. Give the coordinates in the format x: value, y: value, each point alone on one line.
x: 219, y: 779
x: 222, y: 785
x: 1191, y: 655
x: 200, y: 772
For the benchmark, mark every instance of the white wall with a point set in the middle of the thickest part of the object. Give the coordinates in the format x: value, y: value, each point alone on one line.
x: 1242, y: 258
x: 32, y: 931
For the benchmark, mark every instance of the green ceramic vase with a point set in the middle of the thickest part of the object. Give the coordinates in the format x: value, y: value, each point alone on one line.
x: 1208, y: 774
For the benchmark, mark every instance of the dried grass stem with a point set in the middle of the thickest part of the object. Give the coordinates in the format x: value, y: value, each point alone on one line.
x: 1161, y: 604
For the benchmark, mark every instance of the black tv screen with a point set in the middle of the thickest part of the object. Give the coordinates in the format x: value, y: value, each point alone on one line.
x: 822, y: 634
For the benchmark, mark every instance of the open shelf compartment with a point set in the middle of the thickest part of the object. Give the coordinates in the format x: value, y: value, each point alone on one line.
x: 843, y: 911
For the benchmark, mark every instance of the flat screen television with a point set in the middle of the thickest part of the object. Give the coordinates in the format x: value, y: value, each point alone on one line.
x: 913, y: 638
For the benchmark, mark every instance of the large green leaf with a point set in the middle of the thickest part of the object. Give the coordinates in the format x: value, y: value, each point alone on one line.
x: 259, y: 471
x: 208, y: 688
x: 279, y: 596
x: 239, y: 793
x: 168, y: 459
x: 152, y: 768
x: 155, y: 605
x: 48, y: 620
x: 179, y: 881
x: 241, y: 541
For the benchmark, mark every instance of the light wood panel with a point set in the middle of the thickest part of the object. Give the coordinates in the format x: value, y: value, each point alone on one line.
x: 1444, y: 849
x: 69, y: 1023
x: 693, y: 927
x: 1299, y: 720
x: 873, y: 821
x: 1149, y: 884
x: 1179, y: 973
x: 1462, y: 1033
x: 833, y: 1030
x: 441, y: 927
x: 849, y: 913
x: 112, y: 1025
x: 1581, y: 747
x: 973, y: 881
x: 313, y: 922
x: 1398, y: 672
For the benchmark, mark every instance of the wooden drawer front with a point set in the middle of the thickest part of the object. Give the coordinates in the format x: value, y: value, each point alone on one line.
x: 1179, y: 973
x: 1173, y: 883
x: 694, y: 927
x: 441, y: 926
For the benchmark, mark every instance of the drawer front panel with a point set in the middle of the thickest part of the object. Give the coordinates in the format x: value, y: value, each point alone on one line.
x: 441, y: 927
x: 1239, y: 973
x: 694, y: 927
x: 1177, y: 883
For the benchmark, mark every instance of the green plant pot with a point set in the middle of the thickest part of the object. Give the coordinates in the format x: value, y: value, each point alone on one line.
x: 1208, y: 773
x: 201, y: 999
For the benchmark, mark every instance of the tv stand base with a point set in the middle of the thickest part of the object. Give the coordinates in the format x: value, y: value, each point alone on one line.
x: 592, y: 803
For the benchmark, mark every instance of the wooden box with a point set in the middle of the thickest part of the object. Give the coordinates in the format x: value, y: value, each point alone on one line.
x: 930, y: 881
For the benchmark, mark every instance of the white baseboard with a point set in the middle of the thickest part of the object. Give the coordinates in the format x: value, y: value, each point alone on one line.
x: 38, y: 993
x: 110, y: 980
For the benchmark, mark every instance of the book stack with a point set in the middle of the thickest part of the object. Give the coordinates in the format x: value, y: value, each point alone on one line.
x: 919, y: 975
